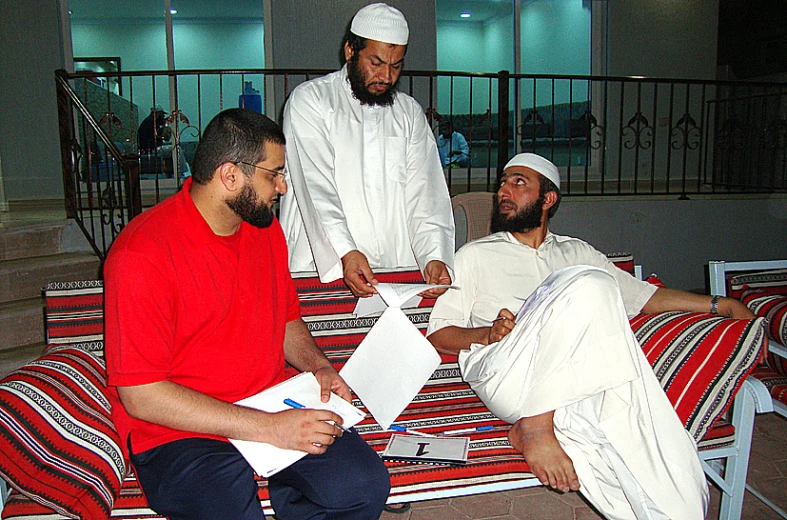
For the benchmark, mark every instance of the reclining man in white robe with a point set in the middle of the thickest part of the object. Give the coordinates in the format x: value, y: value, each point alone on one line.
x: 587, y: 410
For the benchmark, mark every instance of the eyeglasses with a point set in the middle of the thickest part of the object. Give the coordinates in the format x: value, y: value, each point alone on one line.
x: 276, y: 173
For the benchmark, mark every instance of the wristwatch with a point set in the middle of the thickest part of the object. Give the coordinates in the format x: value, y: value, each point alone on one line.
x: 714, y: 304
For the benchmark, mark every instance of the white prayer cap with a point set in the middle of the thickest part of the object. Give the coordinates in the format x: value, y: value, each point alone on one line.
x: 537, y: 163
x: 381, y: 22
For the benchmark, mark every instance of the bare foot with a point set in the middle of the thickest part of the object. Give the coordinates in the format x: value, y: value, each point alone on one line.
x: 534, y: 437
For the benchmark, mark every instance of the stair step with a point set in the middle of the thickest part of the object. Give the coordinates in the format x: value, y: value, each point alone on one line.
x: 30, y: 239
x: 22, y: 323
x: 24, y: 278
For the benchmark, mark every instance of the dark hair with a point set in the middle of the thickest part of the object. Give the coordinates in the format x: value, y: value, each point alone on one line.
x: 235, y: 135
x: 545, y: 186
x: 357, y: 43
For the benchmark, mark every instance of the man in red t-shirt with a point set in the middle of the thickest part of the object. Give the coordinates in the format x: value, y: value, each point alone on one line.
x: 201, y: 312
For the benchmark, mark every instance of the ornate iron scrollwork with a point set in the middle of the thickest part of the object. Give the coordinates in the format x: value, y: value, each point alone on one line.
x: 110, y: 117
x: 731, y: 135
x: 640, y: 132
x: 775, y: 135
x: 76, y: 159
x: 593, y: 132
x: 685, y: 134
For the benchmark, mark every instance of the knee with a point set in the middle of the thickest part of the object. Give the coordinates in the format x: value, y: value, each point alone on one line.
x: 594, y: 285
x: 372, y: 483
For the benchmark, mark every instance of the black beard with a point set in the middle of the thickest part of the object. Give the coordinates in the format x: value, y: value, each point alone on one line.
x: 358, y: 86
x: 524, y: 220
x: 245, y: 206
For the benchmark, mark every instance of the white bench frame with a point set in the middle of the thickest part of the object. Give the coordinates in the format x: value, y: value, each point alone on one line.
x: 717, y: 273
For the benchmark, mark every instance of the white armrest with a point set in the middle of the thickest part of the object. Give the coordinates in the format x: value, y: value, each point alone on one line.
x: 759, y: 392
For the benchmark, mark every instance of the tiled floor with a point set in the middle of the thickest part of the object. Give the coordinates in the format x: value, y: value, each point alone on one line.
x: 767, y: 474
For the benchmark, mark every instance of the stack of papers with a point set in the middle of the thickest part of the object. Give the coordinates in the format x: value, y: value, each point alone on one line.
x: 398, y: 295
x: 394, y: 360
x: 267, y: 459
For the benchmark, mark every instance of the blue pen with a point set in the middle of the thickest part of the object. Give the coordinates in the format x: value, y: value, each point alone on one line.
x: 469, y: 430
x: 397, y: 428
x: 295, y: 404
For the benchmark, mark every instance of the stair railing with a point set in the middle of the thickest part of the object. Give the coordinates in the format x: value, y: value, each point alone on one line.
x: 101, y: 184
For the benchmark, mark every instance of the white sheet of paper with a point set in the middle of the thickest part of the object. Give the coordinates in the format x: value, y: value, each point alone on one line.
x: 401, y: 295
x: 390, y: 366
x: 267, y: 459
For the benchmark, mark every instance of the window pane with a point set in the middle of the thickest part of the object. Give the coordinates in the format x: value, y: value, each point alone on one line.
x: 474, y: 36
x: 218, y: 36
x: 556, y: 39
x: 131, y: 29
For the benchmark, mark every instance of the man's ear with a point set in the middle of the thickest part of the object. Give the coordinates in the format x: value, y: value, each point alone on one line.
x: 550, y: 199
x: 230, y: 176
x: 348, y: 52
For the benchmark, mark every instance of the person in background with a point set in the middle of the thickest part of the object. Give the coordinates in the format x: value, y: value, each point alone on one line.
x: 153, y: 131
x: 454, y: 151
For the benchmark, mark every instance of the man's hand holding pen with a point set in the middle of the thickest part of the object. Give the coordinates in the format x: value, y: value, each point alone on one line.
x: 501, y: 325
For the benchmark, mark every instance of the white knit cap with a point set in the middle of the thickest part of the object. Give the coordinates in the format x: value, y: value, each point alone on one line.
x: 381, y: 22
x: 537, y: 163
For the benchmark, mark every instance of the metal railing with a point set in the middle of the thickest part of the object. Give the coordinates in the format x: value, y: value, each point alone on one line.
x: 608, y: 135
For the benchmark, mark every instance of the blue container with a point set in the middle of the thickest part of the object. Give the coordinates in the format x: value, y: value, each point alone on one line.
x: 250, y: 98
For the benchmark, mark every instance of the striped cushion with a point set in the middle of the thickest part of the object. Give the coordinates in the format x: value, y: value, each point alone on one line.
x: 74, y: 312
x: 445, y: 402
x: 770, y: 282
x: 771, y: 307
x: 623, y: 261
x: 677, y: 344
x: 773, y: 374
x: 57, y: 443
x: 701, y: 361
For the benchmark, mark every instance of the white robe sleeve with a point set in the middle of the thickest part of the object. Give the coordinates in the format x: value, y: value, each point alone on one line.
x: 310, y: 159
x: 430, y: 219
x: 455, y: 306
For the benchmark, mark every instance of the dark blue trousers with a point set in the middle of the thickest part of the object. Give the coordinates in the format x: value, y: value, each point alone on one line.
x: 208, y: 479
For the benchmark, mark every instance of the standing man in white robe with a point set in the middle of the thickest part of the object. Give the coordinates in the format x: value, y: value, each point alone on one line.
x: 587, y: 410
x: 367, y: 186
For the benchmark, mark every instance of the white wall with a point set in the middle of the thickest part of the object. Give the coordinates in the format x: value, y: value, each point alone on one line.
x: 676, y: 238
x: 555, y: 39
x: 486, y: 48
x: 226, y: 45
